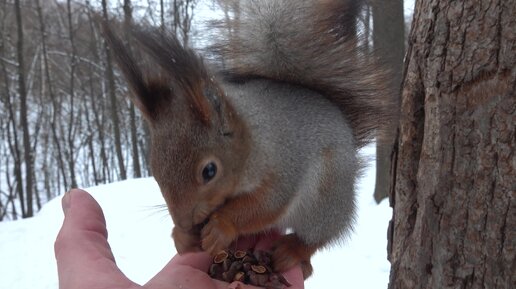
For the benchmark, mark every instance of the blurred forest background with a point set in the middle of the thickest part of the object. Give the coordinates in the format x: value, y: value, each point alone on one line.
x: 65, y: 118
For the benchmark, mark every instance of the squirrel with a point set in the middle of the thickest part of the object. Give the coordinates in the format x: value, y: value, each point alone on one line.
x: 267, y: 136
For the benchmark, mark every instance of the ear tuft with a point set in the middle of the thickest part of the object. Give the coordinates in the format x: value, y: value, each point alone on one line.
x: 142, y: 97
x: 183, y: 66
x: 184, y: 72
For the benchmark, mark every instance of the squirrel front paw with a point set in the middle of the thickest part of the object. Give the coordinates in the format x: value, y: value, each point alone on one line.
x: 290, y: 251
x: 186, y: 241
x: 217, y: 234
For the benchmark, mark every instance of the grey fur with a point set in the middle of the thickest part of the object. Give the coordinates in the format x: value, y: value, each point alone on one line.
x: 291, y: 128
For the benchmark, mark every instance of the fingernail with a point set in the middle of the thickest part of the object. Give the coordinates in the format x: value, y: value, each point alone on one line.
x: 66, y: 202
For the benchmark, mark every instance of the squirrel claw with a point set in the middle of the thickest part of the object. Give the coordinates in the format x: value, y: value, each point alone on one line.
x: 185, y: 241
x: 290, y: 251
x: 217, y: 234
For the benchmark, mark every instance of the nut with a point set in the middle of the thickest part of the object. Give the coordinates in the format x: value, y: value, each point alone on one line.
x: 248, y: 267
x: 257, y: 279
x: 258, y: 269
x: 220, y: 257
x: 216, y: 271
x: 240, y: 254
x: 239, y: 276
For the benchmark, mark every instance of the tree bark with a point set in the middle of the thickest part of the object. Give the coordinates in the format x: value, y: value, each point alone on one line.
x: 453, y: 192
x: 389, y: 47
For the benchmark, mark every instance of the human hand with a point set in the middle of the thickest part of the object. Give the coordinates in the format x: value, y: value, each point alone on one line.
x: 85, y: 260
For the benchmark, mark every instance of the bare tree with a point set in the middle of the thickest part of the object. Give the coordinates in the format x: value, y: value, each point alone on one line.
x: 183, y: 11
x: 113, y: 99
x: 63, y: 124
x: 128, y: 16
x: 73, y: 65
x: 24, y: 122
x: 50, y: 91
x: 13, y: 159
x: 453, y: 189
x: 161, y: 14
x: 96, y: 103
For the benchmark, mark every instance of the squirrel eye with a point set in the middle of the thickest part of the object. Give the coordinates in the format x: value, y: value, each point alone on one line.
x: 209, y: 172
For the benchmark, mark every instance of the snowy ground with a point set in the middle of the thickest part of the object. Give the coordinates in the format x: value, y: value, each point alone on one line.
x: 139, y: 233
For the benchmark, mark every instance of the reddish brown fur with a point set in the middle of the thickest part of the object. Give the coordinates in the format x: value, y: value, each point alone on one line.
x: 200, y: 104
x: 185, y: 68
x: 290, y: 251
x: 186, y: 241
x: 244, y: 214
x: 251, y: 213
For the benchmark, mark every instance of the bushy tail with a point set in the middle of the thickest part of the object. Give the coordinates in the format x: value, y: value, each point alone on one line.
x: 313, y: 44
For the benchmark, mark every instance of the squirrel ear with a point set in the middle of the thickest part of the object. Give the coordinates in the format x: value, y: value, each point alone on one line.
x: 183, y: 66
x: 146, y: 94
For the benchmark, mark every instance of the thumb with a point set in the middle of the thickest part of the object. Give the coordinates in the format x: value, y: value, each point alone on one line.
x: 84, y: 258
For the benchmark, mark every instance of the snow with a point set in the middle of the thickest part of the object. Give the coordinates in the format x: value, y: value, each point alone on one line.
x: 139, y: 234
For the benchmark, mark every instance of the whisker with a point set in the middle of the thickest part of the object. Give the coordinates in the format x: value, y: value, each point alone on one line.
x: 154, y: 210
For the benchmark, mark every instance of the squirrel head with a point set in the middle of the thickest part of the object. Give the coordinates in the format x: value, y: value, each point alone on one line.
x: 199, y: 143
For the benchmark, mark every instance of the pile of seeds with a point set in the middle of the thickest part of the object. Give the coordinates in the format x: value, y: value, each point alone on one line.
x: 253, y: 268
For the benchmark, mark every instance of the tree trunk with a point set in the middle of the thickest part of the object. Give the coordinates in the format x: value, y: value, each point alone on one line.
x: 128, y: 18
x: 97, y: 105
x: 89, y: 140
x: 389, y: 46
x: 12, y: 138
x: 73, y: 62
x: 176, y: 16
x: 161, y: 15
x: 50, y: 89
x: 453, y: 189
x: 114, y: 106
x: 27, y: 152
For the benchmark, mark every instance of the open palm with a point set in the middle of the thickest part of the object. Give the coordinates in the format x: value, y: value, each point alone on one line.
x: 85, y: 260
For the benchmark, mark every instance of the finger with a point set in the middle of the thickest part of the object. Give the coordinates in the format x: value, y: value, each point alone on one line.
x: 81, y: 248
x: 186, y: 271
x: 197, y: 260
x: 295, y: 277
x: 203, y: 260
x: 240, y: 285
